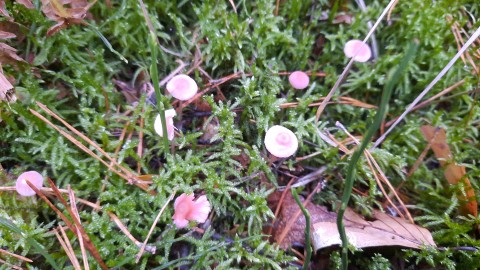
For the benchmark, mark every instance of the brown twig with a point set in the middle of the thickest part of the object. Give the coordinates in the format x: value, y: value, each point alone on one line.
x: 73, y: 207
x: 67, y: 246
x: 120, y: 225
x: 381, y: 176
x: 431, y: 99
x: 128, y: 176
x: 15, y: 255
x: 91, y: 248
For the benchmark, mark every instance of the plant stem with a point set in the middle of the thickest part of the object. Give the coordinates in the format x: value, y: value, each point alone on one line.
x: 308, y: 247
x: 156, y: 86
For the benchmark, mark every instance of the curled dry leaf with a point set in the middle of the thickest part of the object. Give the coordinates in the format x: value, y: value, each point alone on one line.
x: 65, y: 12
x: 3, y: 10
x: 454, y: 173
x: 384, y: 231
x: 295, y: 234
x: 5, y: 35
x: 8, y: 55
x: 6, y: 89
x: 26, y: 3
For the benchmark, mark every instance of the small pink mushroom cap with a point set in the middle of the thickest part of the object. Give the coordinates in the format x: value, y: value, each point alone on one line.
x: 281, y: 141
x: 169, y: 114
x: 354, y: 45
x: 186, y: 209
x: 182, y: 87
x: 299, y: 80
x: 33, y: 177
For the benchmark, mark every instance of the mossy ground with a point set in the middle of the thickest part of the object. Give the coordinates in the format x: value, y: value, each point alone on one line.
x: 73, y: 73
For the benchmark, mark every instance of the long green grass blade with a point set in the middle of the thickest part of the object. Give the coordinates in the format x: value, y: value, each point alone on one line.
x: 351, y: 168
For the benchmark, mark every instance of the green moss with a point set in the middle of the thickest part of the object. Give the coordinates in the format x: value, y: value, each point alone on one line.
x: 72, y: 73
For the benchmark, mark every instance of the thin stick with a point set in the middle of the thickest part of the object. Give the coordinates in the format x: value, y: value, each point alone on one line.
x: 379, y: 177
x: 350, y: 63
x: 15, y: 255
x: 123, y: 228
x: 67, y: 246
x: 429, y: 87
x: 73, y: 206
x: 88, y: 140
x: 91, y: 248
x: 139, y: 255
x: 90, y: 152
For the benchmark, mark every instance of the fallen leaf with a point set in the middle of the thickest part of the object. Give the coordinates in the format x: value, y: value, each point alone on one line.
x: 26, y: 3
x: 8, y: 55
x: 3, y: 10
x: 5, y: 35
x: 6, y: 89
x: 453, y: 173
x: 384, y: 231
x: 296, y: 234
x: 65, y: 12
x: 14, y: 29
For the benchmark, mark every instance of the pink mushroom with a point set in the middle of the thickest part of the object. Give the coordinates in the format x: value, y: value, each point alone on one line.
x: 351, y: 47
x: 299, y: 80
x: 186, y: 209
x: 281, y: 142
x: 182, y: 87
x: 169, y: 114
x: 33, y: 177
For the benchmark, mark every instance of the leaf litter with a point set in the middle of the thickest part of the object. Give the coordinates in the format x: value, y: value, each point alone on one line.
x: 383, y: 230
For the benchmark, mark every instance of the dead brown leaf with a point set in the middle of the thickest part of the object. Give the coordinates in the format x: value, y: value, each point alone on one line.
x: 8, y: 55
x: 6, y: 89
x: 26, y: 3
x: 65, y: 12
x: 5, y: 35
x: 296, y: 234
x: 453, y: 173
x: 384, y: 231
x: 3, y: 10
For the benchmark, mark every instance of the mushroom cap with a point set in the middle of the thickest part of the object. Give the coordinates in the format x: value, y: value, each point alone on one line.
x: 23, y: 188
x: 182, y: 87
x: 299, y: 80
x: 281, y: 141
x: 186, y: 209
x: 354, y: 45
x: 169, y: 114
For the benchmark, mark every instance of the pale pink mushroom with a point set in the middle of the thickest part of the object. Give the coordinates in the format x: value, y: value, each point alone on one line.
x: 33, y: 177
x: 351, y: 47
x: 169, y: 114
x: 281, y: 142
x: 299, y: 80
x: 186, y: 209
x: 182, y: 87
